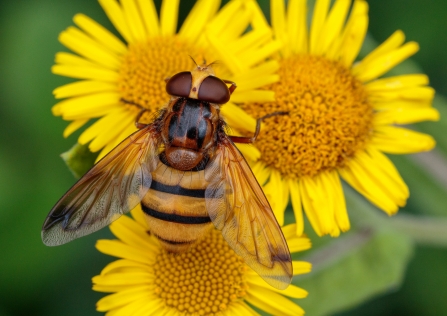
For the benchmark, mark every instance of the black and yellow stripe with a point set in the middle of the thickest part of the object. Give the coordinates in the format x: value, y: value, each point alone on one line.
x: 175, y: 207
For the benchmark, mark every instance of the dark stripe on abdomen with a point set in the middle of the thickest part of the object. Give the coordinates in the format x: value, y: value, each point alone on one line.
x: 177, y: 190
x: 174, y: 242
x: 175, y: 218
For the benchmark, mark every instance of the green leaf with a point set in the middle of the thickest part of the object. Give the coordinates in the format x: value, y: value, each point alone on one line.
x: 79, y: 159
x: 368, y: 260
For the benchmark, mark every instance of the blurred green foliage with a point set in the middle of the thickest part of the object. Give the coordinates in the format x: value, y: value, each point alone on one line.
x: 38, y: 280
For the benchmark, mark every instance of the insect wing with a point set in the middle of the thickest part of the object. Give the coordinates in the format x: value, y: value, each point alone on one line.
x: 112, y: 187
x: 238, y: 207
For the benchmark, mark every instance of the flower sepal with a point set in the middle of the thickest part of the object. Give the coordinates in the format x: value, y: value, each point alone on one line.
x: 79, y: 159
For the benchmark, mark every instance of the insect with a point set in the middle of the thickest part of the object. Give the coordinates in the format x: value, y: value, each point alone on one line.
x: 188, y: 176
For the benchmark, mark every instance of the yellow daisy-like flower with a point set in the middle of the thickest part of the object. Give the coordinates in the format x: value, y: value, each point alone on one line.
x: 341, y: 118
x: 209, y: 279
x: 119, y: 79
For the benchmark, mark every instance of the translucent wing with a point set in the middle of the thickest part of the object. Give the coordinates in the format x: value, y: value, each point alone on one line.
x: 238, y: 207
x: 113, y: 186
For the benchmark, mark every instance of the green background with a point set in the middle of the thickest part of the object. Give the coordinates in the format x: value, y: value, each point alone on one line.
x: 38, y: 280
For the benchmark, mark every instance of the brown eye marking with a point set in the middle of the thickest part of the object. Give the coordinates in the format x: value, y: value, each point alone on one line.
x: 214, y: 90
x: 180, y: 84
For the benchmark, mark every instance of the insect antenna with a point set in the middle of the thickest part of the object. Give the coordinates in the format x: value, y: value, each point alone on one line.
x: 193, y: 60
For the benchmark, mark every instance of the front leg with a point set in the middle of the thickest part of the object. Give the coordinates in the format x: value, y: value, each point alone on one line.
x: 250, y: 140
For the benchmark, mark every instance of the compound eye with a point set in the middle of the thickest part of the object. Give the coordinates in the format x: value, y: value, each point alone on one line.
x: 179, y: 85
x: 214, y: 90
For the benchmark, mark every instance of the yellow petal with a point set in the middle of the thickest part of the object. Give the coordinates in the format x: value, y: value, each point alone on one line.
x: 249, y: 40
x: 257, y: 82
x: 65, y: 58
x: 376, y: 180
x: 398, y: 140
x: 258, y: 17
x: 301, y: 267
x: 79, y: 88
x: 261, y: 172
x: 84, y: 45
x: 318, y: 19
x: 295, y: 197
x: 249, y: 59
x: 297, y: 26
x: 134, y: 20
x: 139, y: 216
x: 149, y: 17
x: 118, y: 249
x: 312, y: 204
x: 278, y: 191
x: 238, y: 118
x: 379, y: 66
x: 169, y: 17
x: 122, y: 298
x: 110, y: 132
x: 267, y: 68
x: 333, y: 26
x: 81, y: 107
x: 273, y: 303
x: 405, y: 116
x: 397, y: 82
x: 390, y: 44
x: 130, y: 232
x: 278, y: 18
x: 198, y: 18
x: 128, y: 278
x: 253, y: 96
x: 353, y: 35
x: 100, y: 33
x: 224, y: 17
x: 380, y: 105
x: 292, y: 291
x: 102, y: 124
x: 408, y: 93
x: 74, y: 126
x: 336, y: 193
x: 128, y: 130
x: 120, y: 265
x: 79, y: 72
x: 116, y: 16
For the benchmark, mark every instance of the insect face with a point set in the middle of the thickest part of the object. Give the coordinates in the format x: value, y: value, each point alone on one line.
x: 200, y: 84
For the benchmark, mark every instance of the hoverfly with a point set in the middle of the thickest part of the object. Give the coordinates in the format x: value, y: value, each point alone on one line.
x: 188, y: 175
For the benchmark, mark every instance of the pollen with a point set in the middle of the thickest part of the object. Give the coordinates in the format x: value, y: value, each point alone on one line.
x: 329, y: 117
x: 146, y: 66
x: 202, y: 281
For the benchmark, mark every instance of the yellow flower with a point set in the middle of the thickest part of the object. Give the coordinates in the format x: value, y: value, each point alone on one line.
x: 341, y: 117
x: 209, y: 279
x: 119, y: 79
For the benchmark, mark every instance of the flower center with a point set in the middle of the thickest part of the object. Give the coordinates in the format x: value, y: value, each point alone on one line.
x: 203, y: 280
x: 146, y: 66
x: 329, y: 117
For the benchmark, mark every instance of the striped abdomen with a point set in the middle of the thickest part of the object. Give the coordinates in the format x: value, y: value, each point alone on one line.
x: 175, y: 207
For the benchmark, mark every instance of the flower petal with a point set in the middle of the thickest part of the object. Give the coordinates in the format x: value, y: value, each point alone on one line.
x: 83, y: 87
x: 169, y: 17
x: 398, y: 140
x: 100, y: 33
x: 318, y: 19
x: 273, y: 303
x: 297, y: 26
x: 295, y: 197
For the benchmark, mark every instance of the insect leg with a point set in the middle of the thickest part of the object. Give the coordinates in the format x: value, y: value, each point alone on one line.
x: 232, y: 87
x: 140, y: 114
x: 138, y: 124
x: 249, y: 140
